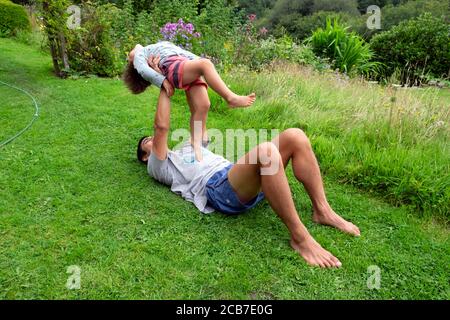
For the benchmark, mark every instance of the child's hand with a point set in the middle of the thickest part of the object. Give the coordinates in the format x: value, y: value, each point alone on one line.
x: 153, y: 62
x: 168, y: 87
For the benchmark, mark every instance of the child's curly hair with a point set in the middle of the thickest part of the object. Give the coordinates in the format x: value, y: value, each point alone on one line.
x: 133, y: 79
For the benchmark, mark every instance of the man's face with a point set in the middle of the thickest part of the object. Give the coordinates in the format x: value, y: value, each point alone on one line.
x: 146, y: 146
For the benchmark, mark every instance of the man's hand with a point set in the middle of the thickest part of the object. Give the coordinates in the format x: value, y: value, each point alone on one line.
x: 168, y: 87
x: 153, y: 62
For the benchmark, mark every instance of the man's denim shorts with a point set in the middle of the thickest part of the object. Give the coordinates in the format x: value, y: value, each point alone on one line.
x: 223, y: 198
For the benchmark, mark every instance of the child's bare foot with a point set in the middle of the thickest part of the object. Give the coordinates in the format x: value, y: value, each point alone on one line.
x: 330, y: 218
x: 241, y: 101
x: 314, y: 254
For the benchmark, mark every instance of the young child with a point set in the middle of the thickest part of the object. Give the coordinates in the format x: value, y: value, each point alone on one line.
x: 179, y: 69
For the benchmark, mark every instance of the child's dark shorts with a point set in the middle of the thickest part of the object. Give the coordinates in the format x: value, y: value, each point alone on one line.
x: 173, y: 68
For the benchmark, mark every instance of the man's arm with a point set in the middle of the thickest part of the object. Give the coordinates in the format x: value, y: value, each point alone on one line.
x: 161, y: 126
x: 141, y: 65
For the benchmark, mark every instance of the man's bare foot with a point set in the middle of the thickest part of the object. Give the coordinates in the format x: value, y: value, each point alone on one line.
x: 314, y: 254
x: 241, y: 101
x: 330, y: 218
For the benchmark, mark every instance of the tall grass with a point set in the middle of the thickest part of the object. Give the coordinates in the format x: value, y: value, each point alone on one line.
x: 394, y: 142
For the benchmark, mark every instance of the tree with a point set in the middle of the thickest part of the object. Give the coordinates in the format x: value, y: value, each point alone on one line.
x: 54, y: 19
x: 349, y: 6
x: 364, y: 4
x: 258, y: 7
x: 289, y: 8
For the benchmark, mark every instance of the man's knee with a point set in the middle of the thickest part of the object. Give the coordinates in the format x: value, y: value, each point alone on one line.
x: 268, y: 153
x: 297, y: 137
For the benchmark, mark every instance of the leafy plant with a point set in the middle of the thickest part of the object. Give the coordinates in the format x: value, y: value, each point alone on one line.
x: 347, y: 51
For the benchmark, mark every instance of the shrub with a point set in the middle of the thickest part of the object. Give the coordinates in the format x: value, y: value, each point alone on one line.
x: 129, y: 28
x: 106, y: 35
x: 282, y: 49
x: 13, y: 18
x: 393, y: 15
x: 163, y: 11
x: 91, y: 48
x: 271, y: 49
x: 220, y: 27
x: 416, y: 49
x: 347, y: 51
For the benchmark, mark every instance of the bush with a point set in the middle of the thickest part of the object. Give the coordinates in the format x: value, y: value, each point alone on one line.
x: 106, y: 35
x: 91, y: 49
x: 163, y: 11
x: 346, y: 51
x: 416, y: 49
x: 271, y: 49
x: 13, y: 18
x: 220, y: 26
x: 282, y: 49
x: 393, y: 15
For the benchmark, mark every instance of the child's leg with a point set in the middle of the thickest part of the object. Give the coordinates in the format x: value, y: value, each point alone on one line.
x: 199, y: 104
x: 193, y: 69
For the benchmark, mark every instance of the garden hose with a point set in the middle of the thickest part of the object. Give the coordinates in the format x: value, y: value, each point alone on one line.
x: 35, y: 116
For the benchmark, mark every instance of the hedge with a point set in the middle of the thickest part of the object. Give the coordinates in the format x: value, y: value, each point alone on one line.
x: 13, y: 17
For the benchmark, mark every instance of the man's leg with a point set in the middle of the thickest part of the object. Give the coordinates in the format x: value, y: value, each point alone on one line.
x: 246, y: 179
x: 199, y: 104
x: 193, y: 69
x: 295, y: 145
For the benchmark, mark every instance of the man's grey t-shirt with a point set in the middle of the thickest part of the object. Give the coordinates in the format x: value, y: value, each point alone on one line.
x: 185, y: 175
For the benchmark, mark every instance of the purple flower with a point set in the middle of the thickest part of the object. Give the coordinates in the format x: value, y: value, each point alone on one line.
x: 180, y: 33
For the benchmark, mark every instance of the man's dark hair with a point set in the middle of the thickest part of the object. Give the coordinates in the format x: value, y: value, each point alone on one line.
x: 133, y: 79
x: 141, y: 153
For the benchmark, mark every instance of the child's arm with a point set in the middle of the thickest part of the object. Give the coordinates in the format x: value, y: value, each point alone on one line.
x: 141, y: 65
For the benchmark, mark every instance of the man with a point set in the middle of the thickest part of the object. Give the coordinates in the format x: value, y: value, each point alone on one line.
x: 217, y: 184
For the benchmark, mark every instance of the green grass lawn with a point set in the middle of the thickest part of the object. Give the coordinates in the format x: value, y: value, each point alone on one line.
x: 72, y: 193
